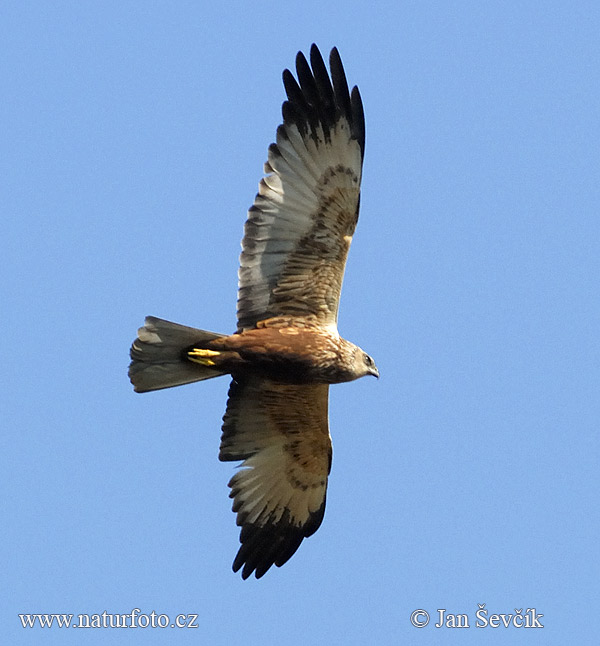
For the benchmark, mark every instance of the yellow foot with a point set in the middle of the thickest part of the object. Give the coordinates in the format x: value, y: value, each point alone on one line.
x: 200, y: 356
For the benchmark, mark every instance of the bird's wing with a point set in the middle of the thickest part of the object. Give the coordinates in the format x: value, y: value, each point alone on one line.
x: 298, y: 231
x: 281, y: 433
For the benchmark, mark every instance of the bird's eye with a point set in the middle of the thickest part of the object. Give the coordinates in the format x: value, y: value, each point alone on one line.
x: 368, y: 360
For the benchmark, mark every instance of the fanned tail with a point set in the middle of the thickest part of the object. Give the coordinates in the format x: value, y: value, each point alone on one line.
x: 158, y: 357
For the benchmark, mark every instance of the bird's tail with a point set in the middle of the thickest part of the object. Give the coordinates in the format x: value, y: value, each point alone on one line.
x: 158, y: 357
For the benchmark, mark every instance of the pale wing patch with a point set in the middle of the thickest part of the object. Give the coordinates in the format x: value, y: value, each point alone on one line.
x: 280, y: 431
x: 298, y: 231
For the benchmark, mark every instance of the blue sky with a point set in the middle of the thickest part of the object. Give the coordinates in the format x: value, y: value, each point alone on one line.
x: 133, y: 137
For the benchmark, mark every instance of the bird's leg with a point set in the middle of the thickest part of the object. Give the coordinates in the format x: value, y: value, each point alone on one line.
x: 198, y: 355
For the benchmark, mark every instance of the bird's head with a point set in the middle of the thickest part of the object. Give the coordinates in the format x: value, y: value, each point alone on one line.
x: 363, y: 364
x: 371, y: 368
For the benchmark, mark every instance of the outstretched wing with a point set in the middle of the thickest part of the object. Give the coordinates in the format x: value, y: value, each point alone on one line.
x: 281, y: 433
x: 299, y: 230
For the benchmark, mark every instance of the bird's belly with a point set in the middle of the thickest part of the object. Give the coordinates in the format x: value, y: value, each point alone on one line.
x: 300, y: 357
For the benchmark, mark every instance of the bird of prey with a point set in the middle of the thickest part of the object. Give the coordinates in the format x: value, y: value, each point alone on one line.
x: 286, y: 350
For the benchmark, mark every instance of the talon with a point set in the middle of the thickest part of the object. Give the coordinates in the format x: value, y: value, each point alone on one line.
x: 198, y: 355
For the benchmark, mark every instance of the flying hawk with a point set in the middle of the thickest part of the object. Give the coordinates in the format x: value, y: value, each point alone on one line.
x: 286, y: 349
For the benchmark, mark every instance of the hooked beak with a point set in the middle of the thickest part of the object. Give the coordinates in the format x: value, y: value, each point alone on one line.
x: 373, y: 371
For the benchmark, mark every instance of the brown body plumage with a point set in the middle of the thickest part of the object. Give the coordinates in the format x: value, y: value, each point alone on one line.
x: 286, y: 350
x: 291, y: 350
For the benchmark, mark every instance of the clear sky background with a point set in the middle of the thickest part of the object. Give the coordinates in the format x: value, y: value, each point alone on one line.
x: 132, y: 140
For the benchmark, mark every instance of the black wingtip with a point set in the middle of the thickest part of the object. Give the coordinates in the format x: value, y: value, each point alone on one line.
x: 358, y: 118
x: 263, y: 547
x: 268, y: 545
x: 320, y: 97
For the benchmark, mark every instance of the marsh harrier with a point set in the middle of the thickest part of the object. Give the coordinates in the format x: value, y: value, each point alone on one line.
x: 286, y: 349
